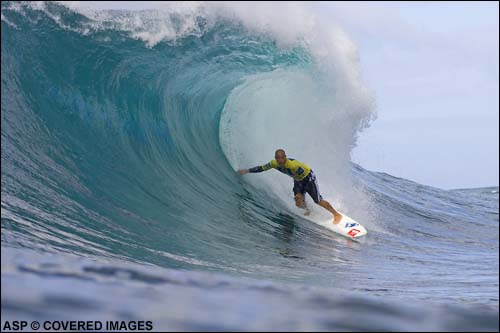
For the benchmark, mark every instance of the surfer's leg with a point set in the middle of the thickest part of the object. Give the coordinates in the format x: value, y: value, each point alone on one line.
x: 298, y: 191
x: 326, y: 205
x: 299, y: 200
x: 313, y: 190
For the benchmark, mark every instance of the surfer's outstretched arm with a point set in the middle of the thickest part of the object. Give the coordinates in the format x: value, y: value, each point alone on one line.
x: 271, y: 165
x: 251, y: 170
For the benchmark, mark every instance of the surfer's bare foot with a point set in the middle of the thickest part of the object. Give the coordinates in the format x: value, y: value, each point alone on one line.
x: 337, y: 219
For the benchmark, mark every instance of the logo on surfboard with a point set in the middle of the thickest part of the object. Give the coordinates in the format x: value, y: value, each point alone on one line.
x: 353, y: 232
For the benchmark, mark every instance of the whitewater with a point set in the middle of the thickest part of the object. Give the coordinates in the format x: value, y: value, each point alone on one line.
x: 121, y: 135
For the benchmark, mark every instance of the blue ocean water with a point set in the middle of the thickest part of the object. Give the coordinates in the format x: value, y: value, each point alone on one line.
x: 120, y: 197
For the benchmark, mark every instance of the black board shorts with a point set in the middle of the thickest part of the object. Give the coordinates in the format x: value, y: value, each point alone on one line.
x: 309, y: 185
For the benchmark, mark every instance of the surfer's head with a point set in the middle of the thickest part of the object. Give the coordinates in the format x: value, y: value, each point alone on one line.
x: 280, y: 157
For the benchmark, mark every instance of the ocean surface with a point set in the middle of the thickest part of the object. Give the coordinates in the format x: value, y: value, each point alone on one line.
x: 120, y: 135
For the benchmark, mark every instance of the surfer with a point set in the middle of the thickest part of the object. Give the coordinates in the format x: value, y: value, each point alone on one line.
x: 304, y: 181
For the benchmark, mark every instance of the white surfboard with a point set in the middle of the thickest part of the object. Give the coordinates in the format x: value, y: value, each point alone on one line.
x: 347, y: 226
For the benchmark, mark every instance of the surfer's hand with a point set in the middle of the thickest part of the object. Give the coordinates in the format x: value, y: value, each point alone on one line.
x: 243, y: 171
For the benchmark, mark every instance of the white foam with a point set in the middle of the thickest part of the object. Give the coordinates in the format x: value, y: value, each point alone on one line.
x: 293, y: 110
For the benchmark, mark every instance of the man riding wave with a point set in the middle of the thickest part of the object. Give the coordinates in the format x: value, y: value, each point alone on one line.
x: 304, y: 181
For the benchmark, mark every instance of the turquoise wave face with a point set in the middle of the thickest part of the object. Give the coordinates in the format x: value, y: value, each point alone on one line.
x: 116, y: 145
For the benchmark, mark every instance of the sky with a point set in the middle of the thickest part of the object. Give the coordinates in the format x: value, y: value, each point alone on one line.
x: 433, y: 68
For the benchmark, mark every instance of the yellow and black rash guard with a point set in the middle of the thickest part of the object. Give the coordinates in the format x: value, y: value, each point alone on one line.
x: 295, y: 169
